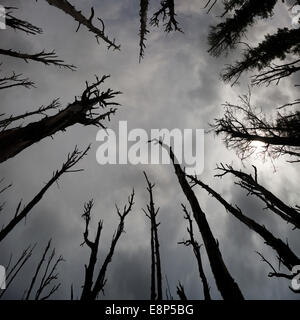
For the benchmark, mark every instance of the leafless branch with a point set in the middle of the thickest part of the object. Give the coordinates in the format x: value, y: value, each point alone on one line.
x: 167, y: 11
x: 99, y: 32
x: 72, y: 159
x: 47, y: 58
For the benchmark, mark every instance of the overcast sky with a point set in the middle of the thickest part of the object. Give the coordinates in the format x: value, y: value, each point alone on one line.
x: 177, y: 85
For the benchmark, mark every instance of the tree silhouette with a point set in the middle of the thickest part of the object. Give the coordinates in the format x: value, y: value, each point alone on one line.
x: 243, y: 124
x: 225, y: 283
x: 165, y: 14
x: 151, y: 213
x: 19, y: 24
x: 92, y: 288
x: 99, y: 32
x: 20, y: 214
x: 196, y: 249
x: 82, y: 111
x: 237, y: 18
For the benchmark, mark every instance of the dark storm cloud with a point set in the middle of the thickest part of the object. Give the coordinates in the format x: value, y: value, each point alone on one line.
x: 176, y: 86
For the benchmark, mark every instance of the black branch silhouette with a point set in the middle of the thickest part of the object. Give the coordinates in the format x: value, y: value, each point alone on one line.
x: 15, y: 80
x: 47, y: 58
x: 167, y: 12
x: 156, y: 275
x: 227, y: 34
x: 20, y: 214
x: 277, y: 274
x: 84, y: 111
x: 40, y: 111
x: 285, y: 254
x: 261, y: 57
x: 209, y: 5
x: 48, y: 278
x: 181, y: 293
x: 99, y: 32
x: 93, y: 287
x: 196, y: 249
x: 243, y: 124
x: 20, y: 25
x: 251, y: 185
x: 228, y: 288
x: 16, y: 268
x: 144, y: 5
x: 276, y: 72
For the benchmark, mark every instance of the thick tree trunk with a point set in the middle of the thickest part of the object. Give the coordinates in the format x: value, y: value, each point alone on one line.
x: 225, y: 283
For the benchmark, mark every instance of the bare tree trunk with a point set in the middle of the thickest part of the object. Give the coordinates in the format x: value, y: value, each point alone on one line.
x: 89, y: 270
x: 91, y: 290
x: 225, y: 283
x: 153, y: 277
x: 155, y: 252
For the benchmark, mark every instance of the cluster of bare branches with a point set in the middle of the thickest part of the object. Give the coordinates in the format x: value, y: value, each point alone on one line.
x: 19, y: 24
x: 166, y: 13
x: 84, y: 110
x: 250, y: 183
x: 14, y: 268
x: 93, y: 287
x: 275, y: 72
x: 15, y: 80
x: 243, y: 124
x: 49, y: 276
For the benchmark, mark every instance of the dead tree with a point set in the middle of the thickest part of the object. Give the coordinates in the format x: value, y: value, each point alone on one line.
x: 243, y: 124
x: 14, y: 270
x: 225, y: 283
x: 152, y: 213
x: 144, y: 4
x: 181, y: 293
x: 49, y: 277
x: 285, y: 255
x: 20, y: 214
x: 82, y: 111
x: 196, y: 249
x: 99, y: 32
x: 167, y: 12
x: 47, y: 58
x: 251, y: 185
x: 92, y: 287
x: 19, y: 24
